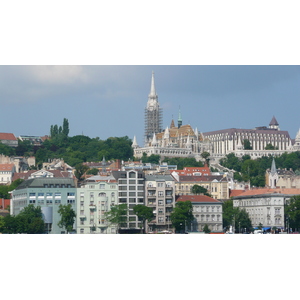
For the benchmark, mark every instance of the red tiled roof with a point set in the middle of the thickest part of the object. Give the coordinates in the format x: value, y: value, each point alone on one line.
x: 200, y: 178
x: 271, y: 191
x: 7, y: 136
x: 197, y: 199
x: 6, y: 167
x: 234, y: 193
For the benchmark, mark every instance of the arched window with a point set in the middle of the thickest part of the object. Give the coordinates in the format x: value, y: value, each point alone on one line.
x: 102, y: 195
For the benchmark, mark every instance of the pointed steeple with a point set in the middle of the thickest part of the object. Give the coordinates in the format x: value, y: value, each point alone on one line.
x: 188, y: 142
x: 297, y: 139
x: 154, y: 141
x: 274, y: 124
x: 152, y: 90
x: 167, y: 133
x: 134, y: 143
x: 172, y: 124
x: 273, y: 167
x: 196, y: 133
x: 179, y: 119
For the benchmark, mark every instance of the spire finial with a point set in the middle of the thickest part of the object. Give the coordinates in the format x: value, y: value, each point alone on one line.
x: 152, y: 91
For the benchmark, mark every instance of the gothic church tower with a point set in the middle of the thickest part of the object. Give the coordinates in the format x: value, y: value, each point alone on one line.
x: 153, y: 115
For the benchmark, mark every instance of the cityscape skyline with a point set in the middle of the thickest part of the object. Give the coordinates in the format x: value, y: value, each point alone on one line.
x: 105, y: 101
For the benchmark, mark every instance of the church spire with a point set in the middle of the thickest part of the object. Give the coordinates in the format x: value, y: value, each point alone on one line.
x: 179, y: 119
x: 273, y: 167
x: 152, y: 90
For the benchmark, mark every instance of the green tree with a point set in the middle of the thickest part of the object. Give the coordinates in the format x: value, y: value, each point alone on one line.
x: 81, y: 169
x: 117, y: 215
x: 247, y: 145
x: 229, y: 213
x: 197, y: 190
x: 270, y: 147
x: 144, y: 213
x: 206, y: 229
x: 182, y: 215
x: 205, y: 155
x: 65, y: 128
x: 242, y: 221
x: 30, y: 220
x: 292, y: 211
x: 67, y: 217
x: 93, y: 171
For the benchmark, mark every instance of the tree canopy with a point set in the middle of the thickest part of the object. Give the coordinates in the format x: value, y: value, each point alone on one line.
x: 29, y: 220
x: 67, y: 217
x: 182, y: 215
x: 198, y: 189
x: 117, y: 215
x: 144, y: 213
x: 292, y: 212
x: 235, y: 216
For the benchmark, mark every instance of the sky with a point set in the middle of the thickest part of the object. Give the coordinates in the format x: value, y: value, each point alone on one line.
x: 109, y: 100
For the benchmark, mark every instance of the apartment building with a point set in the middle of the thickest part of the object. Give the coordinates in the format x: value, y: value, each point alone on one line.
x: 94, y: 199
x: 131, y: 184
x: 160, y: 195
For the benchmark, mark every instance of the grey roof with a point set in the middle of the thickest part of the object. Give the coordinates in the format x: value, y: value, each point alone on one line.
x: 41, y: 181
x: 232, y: 131
x: 101, y: 178
x: 273, y: 121
x: 159, y: 177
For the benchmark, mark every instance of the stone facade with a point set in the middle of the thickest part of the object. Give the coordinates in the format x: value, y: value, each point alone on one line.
x: 265, y: 206
x: 206, y: 211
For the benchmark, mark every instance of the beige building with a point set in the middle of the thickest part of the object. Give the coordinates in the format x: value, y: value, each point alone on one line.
x: 160, y: 195
x: 216, y: 185
x: 6, y: 173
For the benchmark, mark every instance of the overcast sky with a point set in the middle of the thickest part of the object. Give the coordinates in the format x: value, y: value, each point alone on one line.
x: 105, y: 101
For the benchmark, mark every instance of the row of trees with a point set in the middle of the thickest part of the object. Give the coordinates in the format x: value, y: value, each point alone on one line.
x: 181, y: 216
x: 30, y: 220
x: 248, y: 169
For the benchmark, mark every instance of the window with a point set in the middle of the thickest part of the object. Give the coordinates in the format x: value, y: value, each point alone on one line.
x: 160, y: 184
x: 160, y: 219
x: 57, y: 195
x: 160, y: 210
x: 160, y: 194
x: 102, y: 186
x: 132, y: 175
x: 132, y: 181
x: 70, y: 201
x: 169, y: 201
x: 160, y: 202
x: 81, y: 230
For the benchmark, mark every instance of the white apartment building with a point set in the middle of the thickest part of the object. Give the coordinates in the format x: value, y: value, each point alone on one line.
x: 94, y: 199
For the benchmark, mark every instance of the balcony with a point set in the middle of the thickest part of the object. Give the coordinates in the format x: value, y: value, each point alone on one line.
x: 82, y: 217
x: 151, y: 188
x: 92, y: 206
